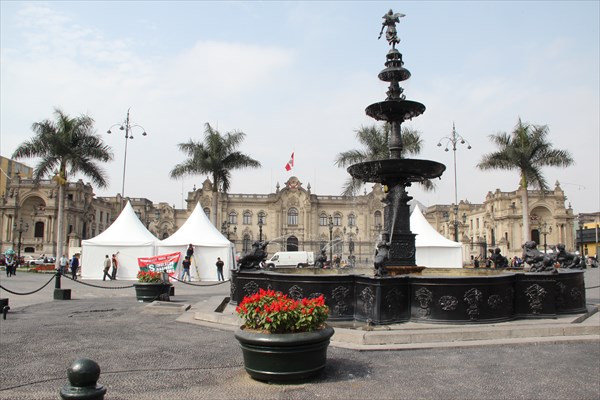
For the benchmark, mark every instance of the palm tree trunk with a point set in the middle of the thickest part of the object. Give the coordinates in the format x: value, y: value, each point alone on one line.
x: 525, y: 201
x: 215, y: 203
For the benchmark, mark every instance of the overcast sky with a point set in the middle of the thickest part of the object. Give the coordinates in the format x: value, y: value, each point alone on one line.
x: 297, y: 76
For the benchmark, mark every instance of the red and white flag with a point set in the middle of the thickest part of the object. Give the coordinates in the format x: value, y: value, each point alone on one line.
x: 290, y: 163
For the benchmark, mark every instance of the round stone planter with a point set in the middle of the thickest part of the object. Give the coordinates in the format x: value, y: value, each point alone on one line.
x: 150, y: 291
x: 286, y: 356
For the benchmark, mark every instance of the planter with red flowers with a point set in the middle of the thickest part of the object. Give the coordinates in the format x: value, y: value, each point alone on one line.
x: 151, y: 286
x: 283, y: 339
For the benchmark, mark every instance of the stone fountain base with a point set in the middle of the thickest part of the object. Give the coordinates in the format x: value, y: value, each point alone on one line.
x: 436, y: 295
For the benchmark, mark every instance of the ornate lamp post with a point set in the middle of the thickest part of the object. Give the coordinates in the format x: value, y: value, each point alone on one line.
x: 351, y: 244
x: 128, y: 128
x: 455, y: 139
x: 225, y: 229
x: 545, y: 230
x: 260, y: 225
x: 20, y: 229
x: 330, y: 240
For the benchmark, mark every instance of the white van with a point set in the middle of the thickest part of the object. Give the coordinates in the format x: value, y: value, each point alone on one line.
x: 298, y: 259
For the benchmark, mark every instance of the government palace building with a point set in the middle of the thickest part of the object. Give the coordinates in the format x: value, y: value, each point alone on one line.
x: 289, y: 218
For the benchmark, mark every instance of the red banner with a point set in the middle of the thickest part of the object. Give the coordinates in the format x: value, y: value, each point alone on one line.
x: 161, y: 263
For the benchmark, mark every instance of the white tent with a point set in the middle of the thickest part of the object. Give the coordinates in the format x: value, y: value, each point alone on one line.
x: 433, y: 249
x: 208, y: 244
x: 128, y: 237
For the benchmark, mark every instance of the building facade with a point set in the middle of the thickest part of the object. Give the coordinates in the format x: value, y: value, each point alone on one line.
x: 498, y: 222
x: 290, y: 218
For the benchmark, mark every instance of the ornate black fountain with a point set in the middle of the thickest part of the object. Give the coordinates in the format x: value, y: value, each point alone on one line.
x: 398, y: 290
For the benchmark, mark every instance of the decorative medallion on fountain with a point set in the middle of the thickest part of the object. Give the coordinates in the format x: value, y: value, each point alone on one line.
x: 340, y: 294
x: 535, y: 294
x: 368, y: 298
x: 396, y: 172
x: 424, y: 297
x: 296, y: 292
x: 251, y: 288
x: 448, y: 303
x: 473, y: 297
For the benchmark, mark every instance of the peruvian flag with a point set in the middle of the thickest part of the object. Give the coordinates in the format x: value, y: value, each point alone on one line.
x: 290, y: 163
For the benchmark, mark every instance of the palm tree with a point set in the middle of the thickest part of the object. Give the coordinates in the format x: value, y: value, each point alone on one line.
x: 375, y: 138
x: 217, y: 156
x: 526, y: 150
x: 66, y: 146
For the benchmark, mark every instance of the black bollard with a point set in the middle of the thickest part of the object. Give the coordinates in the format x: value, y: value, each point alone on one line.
x: 60, y: 294
x: 83, y: 384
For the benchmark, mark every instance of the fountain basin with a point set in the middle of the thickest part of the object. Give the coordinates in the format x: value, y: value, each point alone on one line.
x: 396, y: 170
x: 436, y: 295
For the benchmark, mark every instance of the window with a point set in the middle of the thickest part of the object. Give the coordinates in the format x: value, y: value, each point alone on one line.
x: 246, y: 244
x: 323, y: 220
x: 101, y: 215
x: 39, y: 230
x: 232, y: 218
x: 292, y: 216
x: 337, y: 219
x: 351, y: 220
x: 377, y: 218
x: 247, y: 219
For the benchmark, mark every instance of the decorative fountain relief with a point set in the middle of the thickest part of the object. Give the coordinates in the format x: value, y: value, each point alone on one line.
x: 396, y: 290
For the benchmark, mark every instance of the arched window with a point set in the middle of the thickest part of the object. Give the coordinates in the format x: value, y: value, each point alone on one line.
x: 351, y: 220
x: 232, y: 218
x: 247, y: 218
x: 292, y: 216
x: 337, y: 219
x: 246, y: 244
x: 207, y: 212
x: 262, y: 218
x: 39, y: 230
x: 323, y: 219
x: 292, y: 243
x: 377, y: 218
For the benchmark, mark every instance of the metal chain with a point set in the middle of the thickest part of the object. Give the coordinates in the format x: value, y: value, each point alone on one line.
x: 98, y: 286
x: 35, y: 291
x: 195, y: 284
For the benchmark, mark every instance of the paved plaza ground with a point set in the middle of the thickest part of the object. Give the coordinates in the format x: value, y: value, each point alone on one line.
x: 153, y: 356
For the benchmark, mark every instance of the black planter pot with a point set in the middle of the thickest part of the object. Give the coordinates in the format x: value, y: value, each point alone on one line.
x: 284, y: 357
x: 150, y: 291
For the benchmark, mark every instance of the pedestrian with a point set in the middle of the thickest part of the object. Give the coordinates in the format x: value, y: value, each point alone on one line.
x: 186, y: 269
x: 107, y: 264
x: 63, y: 264
x: 190, y: 252
x: 476, y: 262
x: 219, y: 265
x: 10, y: 264
x: 115, y: 266
x: 74, y: 267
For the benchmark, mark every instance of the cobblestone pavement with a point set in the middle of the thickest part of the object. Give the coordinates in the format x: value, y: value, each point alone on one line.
x: 150, y: 356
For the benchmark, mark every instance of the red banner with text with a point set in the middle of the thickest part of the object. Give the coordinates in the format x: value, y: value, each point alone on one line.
x: 161, y: 263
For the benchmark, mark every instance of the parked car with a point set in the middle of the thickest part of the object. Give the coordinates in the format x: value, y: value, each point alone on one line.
x: 41, y: 260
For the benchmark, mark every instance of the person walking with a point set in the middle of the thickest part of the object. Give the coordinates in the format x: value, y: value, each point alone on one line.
x: 186, y: 269
x: 220, y: 265
x: 74, y: 267
x: 10, y: 264
x: 63, y: 264
x: 107, y: 264
x: 115, y: 266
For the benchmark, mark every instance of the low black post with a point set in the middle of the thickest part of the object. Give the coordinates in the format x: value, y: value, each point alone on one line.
x: 60, y: 294
x: 4, y: 307
x: 83, y: 384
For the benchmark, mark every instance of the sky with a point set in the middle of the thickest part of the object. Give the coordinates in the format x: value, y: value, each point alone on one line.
x: 297, y: 77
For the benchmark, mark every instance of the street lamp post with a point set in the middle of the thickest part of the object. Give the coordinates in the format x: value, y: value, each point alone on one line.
x: 351, y: 245
x: 545, y: 230
x: 455, y: 139
x: 260, y: 225
x: 225, y: 229
x: 331, y: 241
x: 128, y: 128
x: 20, y: 229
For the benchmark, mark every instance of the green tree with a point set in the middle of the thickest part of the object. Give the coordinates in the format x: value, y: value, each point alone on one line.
x: 65, y: 147
x: 217, y: 156
x: 527, y: 150
x: 374, y: 139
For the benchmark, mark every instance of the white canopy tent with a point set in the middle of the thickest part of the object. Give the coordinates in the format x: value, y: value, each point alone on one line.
x: 127, y: 237
x: 208, y: 244
x: 433, y: 249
